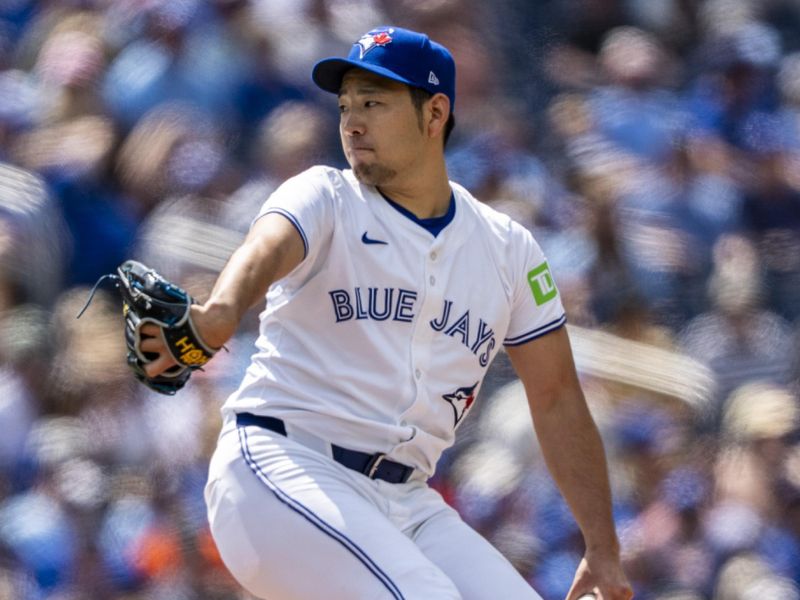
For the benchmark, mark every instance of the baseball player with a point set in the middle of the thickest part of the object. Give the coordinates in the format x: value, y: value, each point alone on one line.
x: 389, y: 291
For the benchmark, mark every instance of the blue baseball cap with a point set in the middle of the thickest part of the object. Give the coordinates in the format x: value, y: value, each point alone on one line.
x: 396, y: 53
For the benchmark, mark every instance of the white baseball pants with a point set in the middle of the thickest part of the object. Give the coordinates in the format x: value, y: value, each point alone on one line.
x: 292, y: 524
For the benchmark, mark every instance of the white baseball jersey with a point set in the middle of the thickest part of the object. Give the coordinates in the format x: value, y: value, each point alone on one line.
x: 379, y: 340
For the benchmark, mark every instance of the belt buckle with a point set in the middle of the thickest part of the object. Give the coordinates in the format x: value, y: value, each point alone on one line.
x: 374, y: 463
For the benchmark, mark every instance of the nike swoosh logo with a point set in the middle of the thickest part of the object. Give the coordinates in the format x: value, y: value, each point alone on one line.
x: 368, y: 240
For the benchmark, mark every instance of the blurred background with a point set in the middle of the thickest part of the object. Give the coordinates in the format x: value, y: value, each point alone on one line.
x: 652, y: 146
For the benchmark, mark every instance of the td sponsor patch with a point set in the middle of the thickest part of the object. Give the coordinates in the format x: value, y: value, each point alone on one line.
x: 542, y: 284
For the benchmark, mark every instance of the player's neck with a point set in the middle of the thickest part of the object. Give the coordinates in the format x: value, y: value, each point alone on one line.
x: 426, y: 195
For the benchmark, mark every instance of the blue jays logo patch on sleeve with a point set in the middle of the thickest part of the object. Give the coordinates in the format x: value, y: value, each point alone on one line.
x: 461, y: 400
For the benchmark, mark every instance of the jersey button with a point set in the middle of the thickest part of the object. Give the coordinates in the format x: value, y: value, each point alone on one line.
x: 433, y: 255
x: 432, y: 280
x: 417, y: 373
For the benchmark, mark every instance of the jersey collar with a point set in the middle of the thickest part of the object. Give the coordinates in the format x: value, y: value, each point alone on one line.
x: 433, y: 225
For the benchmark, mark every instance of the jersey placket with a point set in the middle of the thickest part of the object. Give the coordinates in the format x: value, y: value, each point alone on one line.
x: 422, y: 336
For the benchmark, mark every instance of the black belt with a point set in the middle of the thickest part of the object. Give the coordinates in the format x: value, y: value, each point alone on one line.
x: 374, y: 466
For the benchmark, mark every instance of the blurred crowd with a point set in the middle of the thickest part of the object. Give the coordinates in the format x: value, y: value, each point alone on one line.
x: 652, y: 146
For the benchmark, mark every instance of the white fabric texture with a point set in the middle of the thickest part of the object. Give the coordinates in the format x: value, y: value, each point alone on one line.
x: 378, y: 341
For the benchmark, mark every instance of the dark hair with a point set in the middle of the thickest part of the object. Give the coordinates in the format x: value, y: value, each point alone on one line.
x: 420, y: 97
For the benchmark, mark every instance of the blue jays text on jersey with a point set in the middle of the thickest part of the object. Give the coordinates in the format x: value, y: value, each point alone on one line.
x: 379, y: 304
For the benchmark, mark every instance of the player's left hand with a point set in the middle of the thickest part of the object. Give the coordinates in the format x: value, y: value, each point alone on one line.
x: 602, y: 576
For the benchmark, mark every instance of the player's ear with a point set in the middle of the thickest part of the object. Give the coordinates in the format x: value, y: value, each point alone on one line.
x: 438, y: 113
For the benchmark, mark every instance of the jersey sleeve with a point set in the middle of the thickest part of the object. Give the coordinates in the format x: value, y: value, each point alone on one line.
x: 306, y: 201
x: 536, y: 307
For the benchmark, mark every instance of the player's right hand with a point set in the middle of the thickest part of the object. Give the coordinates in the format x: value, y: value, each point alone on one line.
x: 153, y: 343
x: 214, y: 326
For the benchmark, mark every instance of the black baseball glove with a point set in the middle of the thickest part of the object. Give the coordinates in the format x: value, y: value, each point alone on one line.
x: 149, y: 298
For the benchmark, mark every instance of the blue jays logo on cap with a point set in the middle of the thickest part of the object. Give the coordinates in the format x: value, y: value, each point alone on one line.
x: 395, y: 53
x: 371, y: 40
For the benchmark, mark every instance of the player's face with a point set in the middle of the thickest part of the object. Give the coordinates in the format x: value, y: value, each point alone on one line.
x: 379, y: 127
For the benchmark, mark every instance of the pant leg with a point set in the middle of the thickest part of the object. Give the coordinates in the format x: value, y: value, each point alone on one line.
x: 292, y: 524
x: 478, y: 569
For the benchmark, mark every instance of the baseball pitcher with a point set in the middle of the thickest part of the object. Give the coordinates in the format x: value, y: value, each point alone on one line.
x: 389, y: 291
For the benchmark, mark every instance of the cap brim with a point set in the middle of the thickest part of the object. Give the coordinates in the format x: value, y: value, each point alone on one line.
x: 328, y: 73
